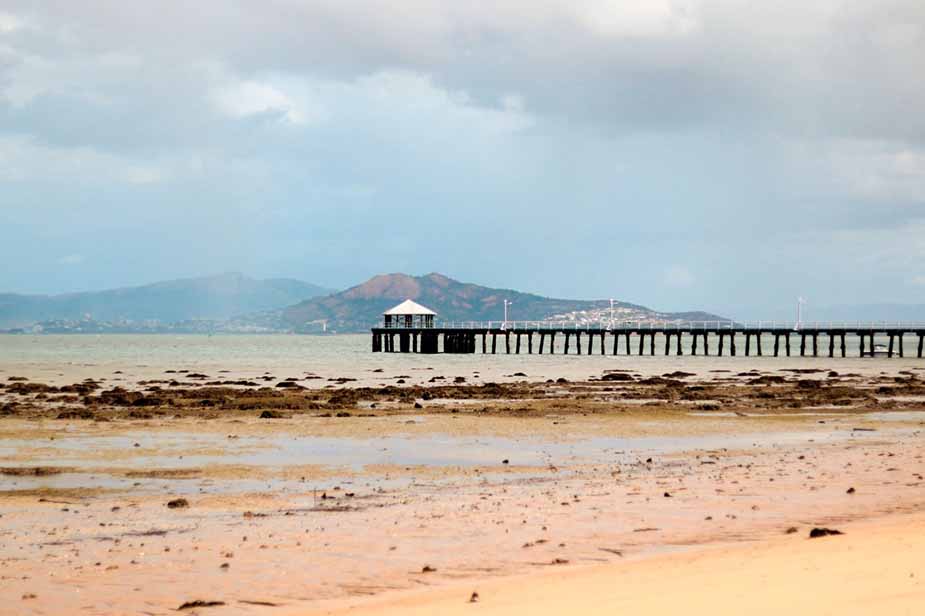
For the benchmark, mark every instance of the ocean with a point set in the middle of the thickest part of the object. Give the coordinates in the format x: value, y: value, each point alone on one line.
x: 58, y: 359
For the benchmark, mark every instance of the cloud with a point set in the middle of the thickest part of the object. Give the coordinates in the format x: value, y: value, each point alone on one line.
x: 833, y: 67
x: 249, y: 98
x: 830, y: 70
x: 10, y: 23
x: 637, y: 19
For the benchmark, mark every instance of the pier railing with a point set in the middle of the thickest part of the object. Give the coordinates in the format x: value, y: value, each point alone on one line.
x: 675, y: 325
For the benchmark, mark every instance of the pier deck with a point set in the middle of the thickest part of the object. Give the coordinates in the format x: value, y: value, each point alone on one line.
x: 653, y: 339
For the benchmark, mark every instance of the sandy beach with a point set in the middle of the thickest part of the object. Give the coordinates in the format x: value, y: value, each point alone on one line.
x: 241, y: 492
x: 876, y: 567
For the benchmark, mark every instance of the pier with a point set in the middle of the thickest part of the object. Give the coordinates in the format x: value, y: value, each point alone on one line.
x: 716, y: 339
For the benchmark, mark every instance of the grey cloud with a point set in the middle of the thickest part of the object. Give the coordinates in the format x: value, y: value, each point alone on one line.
x: 850, y: 66
x: 840, y: 70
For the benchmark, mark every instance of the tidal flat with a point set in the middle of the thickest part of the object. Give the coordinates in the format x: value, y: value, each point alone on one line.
x: 299, y: 492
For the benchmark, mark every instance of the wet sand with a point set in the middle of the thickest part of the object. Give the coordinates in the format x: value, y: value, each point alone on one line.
x: 139, y: 497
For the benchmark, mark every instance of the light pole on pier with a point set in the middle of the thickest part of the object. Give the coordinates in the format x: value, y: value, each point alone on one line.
x: 800, y: 303
x: 506, y: 306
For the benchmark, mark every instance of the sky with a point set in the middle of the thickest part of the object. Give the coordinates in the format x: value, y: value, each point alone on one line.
x: 695, y: 154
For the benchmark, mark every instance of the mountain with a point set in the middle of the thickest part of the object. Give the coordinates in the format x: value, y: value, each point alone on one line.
x: 214, y: 297
x: 360, y: 307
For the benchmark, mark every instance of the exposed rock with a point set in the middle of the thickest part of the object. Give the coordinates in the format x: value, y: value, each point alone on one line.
x: 823, y: 532
x: 199, y: 603
x: 616, y: 376
x: 289, y: 385
x: 32, y: 471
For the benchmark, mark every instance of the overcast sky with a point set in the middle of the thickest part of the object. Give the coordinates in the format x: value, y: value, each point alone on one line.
x: 726, y: 155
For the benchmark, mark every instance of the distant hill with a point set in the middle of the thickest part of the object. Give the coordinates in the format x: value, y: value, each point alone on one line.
x: 214, y: 297
x: 360, y: 307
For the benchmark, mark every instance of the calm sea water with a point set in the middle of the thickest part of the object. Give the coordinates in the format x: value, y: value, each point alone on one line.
x: 58, y: 358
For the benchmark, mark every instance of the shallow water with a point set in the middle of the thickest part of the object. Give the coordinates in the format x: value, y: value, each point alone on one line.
x: 65, y: 358
x: 344, y: 459
x: 897, y: 416
x: 182, y: 450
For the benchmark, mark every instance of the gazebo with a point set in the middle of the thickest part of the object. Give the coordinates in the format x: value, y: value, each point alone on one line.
x: 408, y: 315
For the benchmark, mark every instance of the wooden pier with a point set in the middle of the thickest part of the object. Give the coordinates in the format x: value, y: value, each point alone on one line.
x: 724, y: 339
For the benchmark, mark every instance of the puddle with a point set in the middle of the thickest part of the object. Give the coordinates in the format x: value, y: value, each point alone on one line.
x: 800, y: 414
x: 182, y: 450
x: 896, y: 415
x: 344, y: 457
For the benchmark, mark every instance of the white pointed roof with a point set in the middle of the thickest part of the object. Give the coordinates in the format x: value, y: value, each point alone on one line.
x: 409, y: 307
